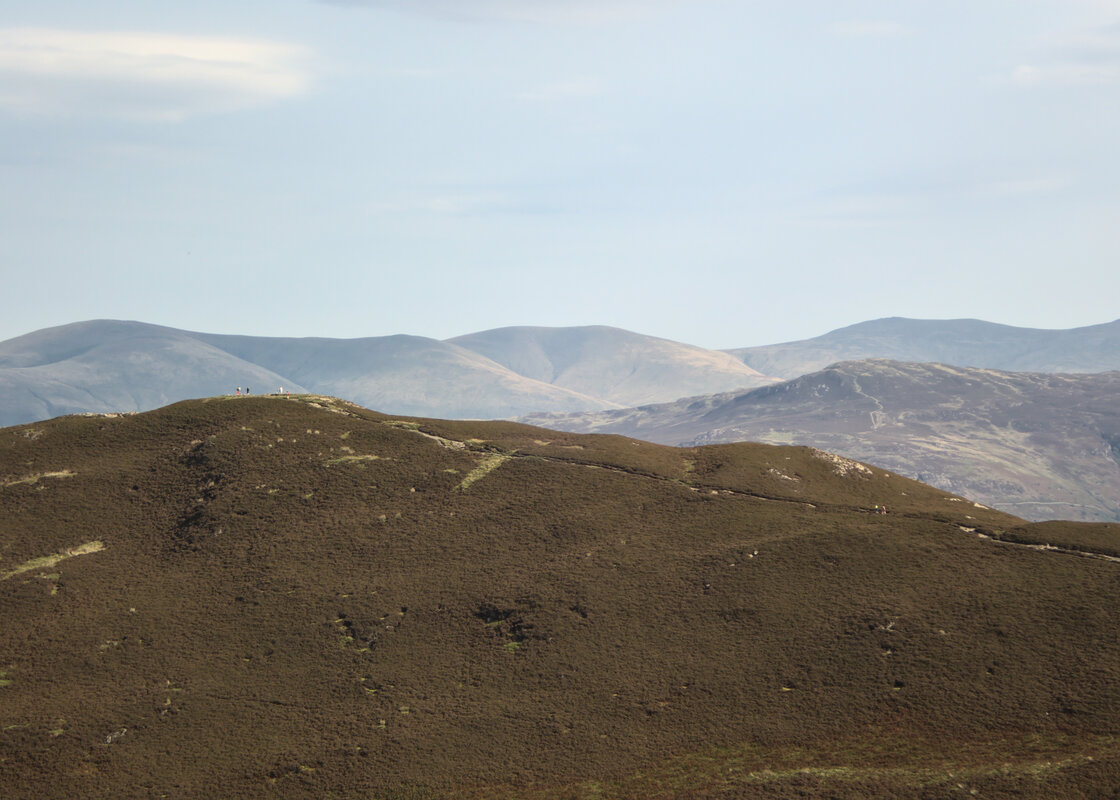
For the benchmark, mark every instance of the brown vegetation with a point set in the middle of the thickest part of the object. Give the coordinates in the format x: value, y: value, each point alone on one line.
x: 298, y: 597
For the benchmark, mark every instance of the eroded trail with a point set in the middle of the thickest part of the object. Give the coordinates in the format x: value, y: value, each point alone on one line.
x: 1049, y: 548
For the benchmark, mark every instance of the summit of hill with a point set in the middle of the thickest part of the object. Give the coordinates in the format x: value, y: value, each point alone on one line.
x: 626, y: 368
x: 295, y: 596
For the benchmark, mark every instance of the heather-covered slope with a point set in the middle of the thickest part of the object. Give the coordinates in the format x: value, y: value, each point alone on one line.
x: 1042, y: 446
x: 297, y: 597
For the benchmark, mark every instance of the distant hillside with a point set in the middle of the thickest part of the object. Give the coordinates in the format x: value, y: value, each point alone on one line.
x: 961, y: 342
x: 1041, y: 446
x: 405, y: 374
x: 625, y: 368
x: 297, y: 597
x: 106, y: 365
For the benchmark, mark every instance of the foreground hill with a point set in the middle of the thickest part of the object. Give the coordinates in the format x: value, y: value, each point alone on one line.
x: 1043, y: 446
x: 961, y: 342
x: 260, y: 597
x: 626, y: 368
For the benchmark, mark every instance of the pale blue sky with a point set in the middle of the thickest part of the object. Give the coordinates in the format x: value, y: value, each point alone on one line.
x: 721, y: 173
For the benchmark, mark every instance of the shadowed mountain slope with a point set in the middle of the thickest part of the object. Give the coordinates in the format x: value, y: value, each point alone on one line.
x: 617, y: 365
x: 1043, y: 446
x: 962, y: 342
x: 259, y: 597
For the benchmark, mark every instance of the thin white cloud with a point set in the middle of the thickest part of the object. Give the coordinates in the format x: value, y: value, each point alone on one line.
x: 143, y: 75
x: 564, y: 12
x: 459, y: 204
x: 467, y: 203
x: 857, y: 210
x: 1086, y: 58
x: 868, y: 29
x: 1026, y: 187
x: 1030, y: 75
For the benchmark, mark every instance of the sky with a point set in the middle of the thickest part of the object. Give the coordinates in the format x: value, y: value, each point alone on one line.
x: 725, y: 173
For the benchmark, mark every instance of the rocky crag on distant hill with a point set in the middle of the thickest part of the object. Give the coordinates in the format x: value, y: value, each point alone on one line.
x: 252, y: 597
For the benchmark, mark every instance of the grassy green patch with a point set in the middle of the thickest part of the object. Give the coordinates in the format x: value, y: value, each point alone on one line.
x: 397, y: 423
x: 351, y: 459
x: 408, y: 793
x: 488, y: 464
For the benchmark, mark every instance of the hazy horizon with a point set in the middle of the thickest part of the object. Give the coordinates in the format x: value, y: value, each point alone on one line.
x: 720, y: 173
x: 654, y: 334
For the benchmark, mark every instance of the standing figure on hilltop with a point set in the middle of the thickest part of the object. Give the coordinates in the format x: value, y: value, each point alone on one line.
x: 238, y: 391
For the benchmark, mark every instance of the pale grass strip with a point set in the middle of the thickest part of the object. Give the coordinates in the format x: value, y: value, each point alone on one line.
x: 46, y: 562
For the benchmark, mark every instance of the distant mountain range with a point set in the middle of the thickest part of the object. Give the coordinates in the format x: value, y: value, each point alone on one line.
x: 1038, y: 445
x: 614, y: 365
x: 107, y: 365
x: 961, y: 342
x: 1035, y: 444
